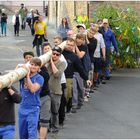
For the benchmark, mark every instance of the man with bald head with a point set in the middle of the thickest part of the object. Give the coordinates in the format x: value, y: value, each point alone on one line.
x: 71, y: 34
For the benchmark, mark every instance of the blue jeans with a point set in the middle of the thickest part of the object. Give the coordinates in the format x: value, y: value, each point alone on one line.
x: 3, y: 28
x: 28, y: 122
x: 38, y: 40
x: 39, y: 50
x: 7, y: 132
x: 108, y: 62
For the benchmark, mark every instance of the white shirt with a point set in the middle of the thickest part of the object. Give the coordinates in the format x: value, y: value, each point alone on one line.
x: 100, y: 44
x: 14, y: 19
x: 63, y: 78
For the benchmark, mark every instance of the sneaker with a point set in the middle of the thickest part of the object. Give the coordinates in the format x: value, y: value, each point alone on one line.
x: 55, y: 129
x: 85, y: 99
x: 88, y: 96
x: 78, y: 107
x: 91, y: 91
x: 73, y: 110
x: 107, y: 77
x: 103, y: 82
x: 61, y: 125
x: 49, y: 130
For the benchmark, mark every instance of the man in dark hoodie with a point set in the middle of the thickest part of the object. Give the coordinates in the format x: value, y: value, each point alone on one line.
x: 8, y: 97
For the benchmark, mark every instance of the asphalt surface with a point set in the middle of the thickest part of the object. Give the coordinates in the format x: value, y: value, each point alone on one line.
x: 113, y: 110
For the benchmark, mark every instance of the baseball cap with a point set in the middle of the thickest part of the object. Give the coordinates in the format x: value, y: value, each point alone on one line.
x: 28, y: 53
x: 57, y: 49
x: 81, y: 25
x: 105, y: 20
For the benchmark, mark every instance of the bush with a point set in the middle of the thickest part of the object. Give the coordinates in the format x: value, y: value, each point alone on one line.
x: 126, y: 27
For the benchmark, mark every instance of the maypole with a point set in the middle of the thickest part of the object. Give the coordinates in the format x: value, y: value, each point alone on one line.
x: 21, y: 72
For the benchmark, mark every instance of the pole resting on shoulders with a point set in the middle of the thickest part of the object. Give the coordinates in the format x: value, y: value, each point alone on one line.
x: 21, y: 72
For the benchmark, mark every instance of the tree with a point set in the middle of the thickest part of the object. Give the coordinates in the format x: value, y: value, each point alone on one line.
x: 125, y: 25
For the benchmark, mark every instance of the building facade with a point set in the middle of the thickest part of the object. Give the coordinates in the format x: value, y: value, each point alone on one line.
x: 13, y: 5
x: 71, y: 9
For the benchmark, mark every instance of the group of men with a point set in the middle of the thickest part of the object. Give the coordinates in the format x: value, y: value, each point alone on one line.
x: 62, y: 86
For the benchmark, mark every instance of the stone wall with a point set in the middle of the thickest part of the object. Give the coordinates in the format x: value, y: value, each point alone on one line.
x: 52, y: 13
x: 69, y: 9
x: 81, y: 8
x: 73, y: 8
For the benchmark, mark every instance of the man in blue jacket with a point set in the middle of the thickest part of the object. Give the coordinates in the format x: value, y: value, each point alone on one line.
x: 110, y: 39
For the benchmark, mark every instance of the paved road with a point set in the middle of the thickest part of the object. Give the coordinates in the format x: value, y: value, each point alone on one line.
x: 112, y: 112
x: 13, y: 47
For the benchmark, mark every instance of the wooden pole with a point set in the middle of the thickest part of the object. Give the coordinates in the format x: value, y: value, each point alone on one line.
x: 20, y: 73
